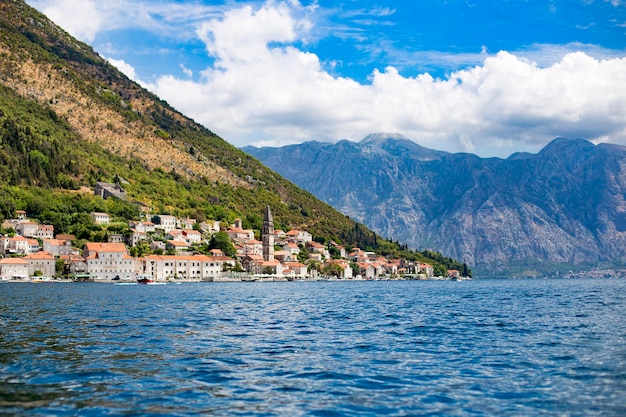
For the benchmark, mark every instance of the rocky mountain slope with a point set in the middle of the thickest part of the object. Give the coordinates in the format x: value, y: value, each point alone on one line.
x: 524, y: 214
x: 68, y: 119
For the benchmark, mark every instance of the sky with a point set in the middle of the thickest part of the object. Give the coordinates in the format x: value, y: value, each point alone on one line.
x: 486, y: 77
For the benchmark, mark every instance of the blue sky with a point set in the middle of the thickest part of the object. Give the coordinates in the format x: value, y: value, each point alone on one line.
x: 488, y: 77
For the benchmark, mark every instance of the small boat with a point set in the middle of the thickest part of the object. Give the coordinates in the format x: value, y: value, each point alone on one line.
x: 145, y: 279
x: 42, y: 280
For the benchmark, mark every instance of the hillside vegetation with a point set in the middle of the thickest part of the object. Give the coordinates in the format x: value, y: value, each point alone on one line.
x: 69, y: 119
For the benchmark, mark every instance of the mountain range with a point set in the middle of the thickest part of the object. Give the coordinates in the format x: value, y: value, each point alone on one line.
x: 528, y: 214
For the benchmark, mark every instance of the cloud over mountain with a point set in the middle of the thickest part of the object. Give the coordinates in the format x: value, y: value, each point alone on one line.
x: 265, y: 87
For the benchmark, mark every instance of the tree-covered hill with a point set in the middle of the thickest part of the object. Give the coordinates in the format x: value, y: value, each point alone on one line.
x: 69, y: 119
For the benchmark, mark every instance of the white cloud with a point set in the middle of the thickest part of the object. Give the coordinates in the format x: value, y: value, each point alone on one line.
x: 85, y: 19
x: 263, y: 89
x: 80, y: 18
x: 127, y: 69
x: 186, y: 71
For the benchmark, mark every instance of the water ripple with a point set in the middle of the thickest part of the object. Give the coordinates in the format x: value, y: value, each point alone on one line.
x: 493, y: 347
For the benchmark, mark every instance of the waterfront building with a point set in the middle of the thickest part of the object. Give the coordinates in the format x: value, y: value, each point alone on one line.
x: 14, y: 268
x: 191, y: 267
x: 106, y: 261
x: 41, y: 261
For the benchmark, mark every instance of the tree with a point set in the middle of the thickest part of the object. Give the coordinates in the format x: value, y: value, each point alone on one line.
x: 314, y: 266
x: 333, y: 270
x: 59, y: 267
x: 303, y: 255
x: 220, y: 240
x: 334, y: 252
x: 440, y: 270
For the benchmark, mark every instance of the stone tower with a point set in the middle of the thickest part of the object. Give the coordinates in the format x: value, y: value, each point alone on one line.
x: 267, y: 235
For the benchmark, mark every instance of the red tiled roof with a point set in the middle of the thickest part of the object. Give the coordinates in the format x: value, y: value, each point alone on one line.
x: 105, y: 247
x: 46, y: 256
x: 13, y: 261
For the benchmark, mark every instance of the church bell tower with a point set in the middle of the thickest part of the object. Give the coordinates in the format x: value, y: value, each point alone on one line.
x: 267, y: 235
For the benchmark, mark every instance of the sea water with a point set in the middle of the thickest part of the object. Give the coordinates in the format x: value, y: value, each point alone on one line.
x: 471, y: 348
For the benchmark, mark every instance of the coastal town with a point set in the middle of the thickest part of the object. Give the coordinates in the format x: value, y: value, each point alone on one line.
x: 35, y: 253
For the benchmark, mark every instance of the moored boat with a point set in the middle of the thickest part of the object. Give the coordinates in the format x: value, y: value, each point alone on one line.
x: 145, y: 279
x: 42, y: 280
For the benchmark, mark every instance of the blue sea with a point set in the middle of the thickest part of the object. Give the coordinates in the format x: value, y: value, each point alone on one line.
x: 384, y: 348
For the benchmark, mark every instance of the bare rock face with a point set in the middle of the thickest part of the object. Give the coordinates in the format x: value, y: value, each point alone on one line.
x: 565, y: 204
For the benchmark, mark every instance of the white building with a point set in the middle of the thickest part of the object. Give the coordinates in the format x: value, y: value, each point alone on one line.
x: 210, y: 226
x: 45, y: 231
x: 143, y: 227
x: 100, y: 218
x: 27, y: 229
x: 106, y: 261
x: 41, y: 261
x: 166, y: 223
x: 196, y: 267
x: 298, y: 236
x: 13, y: 268
x: 192, y: 236
x: 18, y: 245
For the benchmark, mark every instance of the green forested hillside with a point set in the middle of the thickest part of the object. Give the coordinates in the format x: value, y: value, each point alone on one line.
x: 69, y: 119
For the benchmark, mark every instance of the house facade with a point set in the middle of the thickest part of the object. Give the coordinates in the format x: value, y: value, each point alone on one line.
x: 194, y: 267
x: 14, y: 268
x: 41, y: 261
x: 100, y: 218
x: 106, y: 261
x: 166, y: 222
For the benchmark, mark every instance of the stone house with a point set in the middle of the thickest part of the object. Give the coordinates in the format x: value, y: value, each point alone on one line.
x: 41, y: 261
x: 427, y: 269
x: 136, y: 237
x: 298, y: 236
x: 100, y: 218
x: 14, y: 268
x: 185, y: 224
x: 192, y: 236
x: 239, y: 235
x: 252, y: 263
x: 74, y: 264
x: 317, y: 247
x: 33, y: 245
x: 367, y: 270
x: 299, y: 269
x: 177, y: 245
x: 144, y: 227
x: 194, y: 267
x: 106, y: 261
x: 176, y: 235
x: 166, y: 222
x: 45, y: 231
x: 27, y: 229
x: 253, y: 247
x: 18, y: 245
x: 274, y: 267
x: 284, y: 256
x: 210, y: 226
x: 107, y: 190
